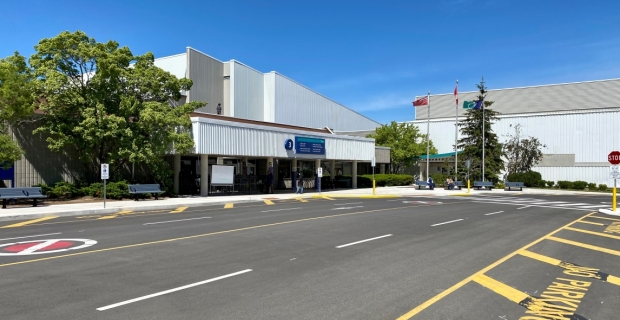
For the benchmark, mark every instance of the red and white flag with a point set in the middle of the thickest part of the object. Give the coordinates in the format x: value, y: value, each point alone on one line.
x: 421, y: 102
x: 456, y: 94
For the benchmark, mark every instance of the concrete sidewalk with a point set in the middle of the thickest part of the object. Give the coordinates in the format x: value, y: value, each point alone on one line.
x: 46, y: 210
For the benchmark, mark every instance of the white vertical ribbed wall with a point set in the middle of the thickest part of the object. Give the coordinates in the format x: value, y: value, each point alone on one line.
x: 300, y: 106
x: 269, y: 95
x: 590, y: 136
x: 248, y: 94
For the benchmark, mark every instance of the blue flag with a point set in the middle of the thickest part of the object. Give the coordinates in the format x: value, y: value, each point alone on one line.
x: 478, y: 105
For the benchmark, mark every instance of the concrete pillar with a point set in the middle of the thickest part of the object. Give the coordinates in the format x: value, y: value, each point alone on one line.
x: 332, y: 168
x: 317, y: 165
x: 204, y: 175
x: 294, y: 174
x: 354, y: 175
x: 220, y: 160
x: 176, y: 168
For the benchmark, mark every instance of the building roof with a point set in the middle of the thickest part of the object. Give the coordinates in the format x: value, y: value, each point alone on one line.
x: 601, y: 94
x: 439, y: 156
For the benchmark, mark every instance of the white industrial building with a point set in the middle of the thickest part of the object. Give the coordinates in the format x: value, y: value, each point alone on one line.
x: 578, y: 123
x: 265, y: 118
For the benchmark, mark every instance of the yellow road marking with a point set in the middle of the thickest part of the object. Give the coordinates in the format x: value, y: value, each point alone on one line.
x: 178, y: 210
x: 268, y: 202
x: 502, y: 289
x: 301, y: 199
x: 600, y: 234
x: 25, y: 223
x: 614, y: 227
x: 112, y: 216
x: 597, y: 217
x: 583, y: 245
x: 540, y: 257
x: 206, y: 234
x: 328, y: 198
x: 463, y: 282
x: 594, y: 223
x: 229, y: 205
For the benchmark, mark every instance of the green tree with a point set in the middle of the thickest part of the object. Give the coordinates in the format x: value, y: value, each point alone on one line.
x: 472, y: 144
x: 112, y: 106
x: 16, y: 103
x: 522, y: 153
x: 405, y: 142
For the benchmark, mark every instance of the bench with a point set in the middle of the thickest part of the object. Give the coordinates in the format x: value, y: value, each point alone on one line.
x: 479, y: 184
x: 138, y: 189
x: 421, y: 184
x: 519, y: 185
x: 21, y: 193
x: 457, y: 185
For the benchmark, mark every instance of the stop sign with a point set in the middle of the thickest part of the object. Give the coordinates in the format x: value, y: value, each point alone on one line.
x: 614, y: 157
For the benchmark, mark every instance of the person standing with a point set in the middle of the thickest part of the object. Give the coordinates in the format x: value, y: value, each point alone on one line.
x: 219, y: 108
x: 300, y: 183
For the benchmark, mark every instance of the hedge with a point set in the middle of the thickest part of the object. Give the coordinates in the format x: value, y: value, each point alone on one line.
x: 530, y: 178
x: 65, y: 190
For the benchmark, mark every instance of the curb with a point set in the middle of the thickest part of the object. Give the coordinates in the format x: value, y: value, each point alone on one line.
x: 460, y: 195
x: 362, y: 196
x: 609, y: 212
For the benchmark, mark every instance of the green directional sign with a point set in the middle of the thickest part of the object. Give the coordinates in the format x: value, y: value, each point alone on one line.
x: 468, y: 104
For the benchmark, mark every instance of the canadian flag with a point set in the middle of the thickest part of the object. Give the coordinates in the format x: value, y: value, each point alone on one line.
x: 456, y: 93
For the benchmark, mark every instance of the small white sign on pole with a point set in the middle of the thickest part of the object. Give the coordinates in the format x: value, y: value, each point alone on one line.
x: 320, y: 172
x: 105, y: 171
x: 615, y: 171
x: 373, y: 161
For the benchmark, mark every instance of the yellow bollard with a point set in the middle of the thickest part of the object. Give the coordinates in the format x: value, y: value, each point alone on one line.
x: 373, y: 188
x: 613, y: 201
x: 467, y: 185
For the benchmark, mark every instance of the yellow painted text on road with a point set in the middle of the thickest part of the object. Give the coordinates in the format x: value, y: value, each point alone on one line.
x: 178, y: 210
x: 613, y: 228
x: 268, y: 202
x: 229, y: 206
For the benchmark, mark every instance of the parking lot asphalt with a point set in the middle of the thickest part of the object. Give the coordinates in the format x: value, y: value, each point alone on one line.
x: 483, y: 257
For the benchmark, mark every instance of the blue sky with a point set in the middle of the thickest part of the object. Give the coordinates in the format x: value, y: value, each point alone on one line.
x: 371, y: 56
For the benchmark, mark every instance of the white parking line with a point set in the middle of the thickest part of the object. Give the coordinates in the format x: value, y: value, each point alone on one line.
x: 438, y: 224
x: 38, y: 235
x: 175, y: 220
x: 281, y: 209
x: 488, y: 214
x: 523, y: 207
x: 171, y: 290
x: 352, y: 243
x: 344, y: 204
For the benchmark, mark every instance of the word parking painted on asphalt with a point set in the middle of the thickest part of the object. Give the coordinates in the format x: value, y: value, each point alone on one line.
x: 24, y: 248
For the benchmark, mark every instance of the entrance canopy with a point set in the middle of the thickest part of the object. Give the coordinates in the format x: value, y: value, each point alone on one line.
x: 228, y: 136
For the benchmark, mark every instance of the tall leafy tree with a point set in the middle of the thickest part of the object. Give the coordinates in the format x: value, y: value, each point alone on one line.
x: 472, y: 144
x: 16, y: 103
x: 113, y: 106
x: 522, y: 153
x: 405, y: 142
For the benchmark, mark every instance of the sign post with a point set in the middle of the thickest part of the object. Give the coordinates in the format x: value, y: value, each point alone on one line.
x: 319, y: 173
x: 614, y: 159
x: 374, y: 189
x: 105, y: 175
x: 468, y: 164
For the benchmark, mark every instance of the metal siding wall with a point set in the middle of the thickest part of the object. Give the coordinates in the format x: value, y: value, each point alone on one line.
x: 249, y: 92
x: 207, y: 75
x: 39, y: 164
x: 177, y: 64
x: 562, y: 97
x: 270, y: 97
x: 298, y: 105
x: 256, y: 142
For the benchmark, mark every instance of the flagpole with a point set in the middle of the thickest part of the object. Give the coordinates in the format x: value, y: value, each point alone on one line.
x: 428, y: 121
x: 456, y: 133
x: 483, y: 140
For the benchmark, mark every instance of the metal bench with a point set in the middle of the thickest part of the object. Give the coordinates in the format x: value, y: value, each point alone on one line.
x: 457, y: 185
x: 421, y: 184
x: 21, y: 193
x: 487, y: 184
x: 519, y: 185
x: 137, y: 189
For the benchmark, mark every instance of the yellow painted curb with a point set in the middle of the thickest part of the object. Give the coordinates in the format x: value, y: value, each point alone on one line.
x: 461, y: 194
x: 363, y: 196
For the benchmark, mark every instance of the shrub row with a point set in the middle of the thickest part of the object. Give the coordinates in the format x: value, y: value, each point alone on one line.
x: 530, y: 178
x: 580, y: 185
x: 65, y: 190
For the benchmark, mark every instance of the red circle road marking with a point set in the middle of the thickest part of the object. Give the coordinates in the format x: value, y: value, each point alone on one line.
x: 24, y: 246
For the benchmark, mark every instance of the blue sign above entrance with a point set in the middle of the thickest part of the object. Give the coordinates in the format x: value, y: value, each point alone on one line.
x: 309, y: 145
x: 288, y: 144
